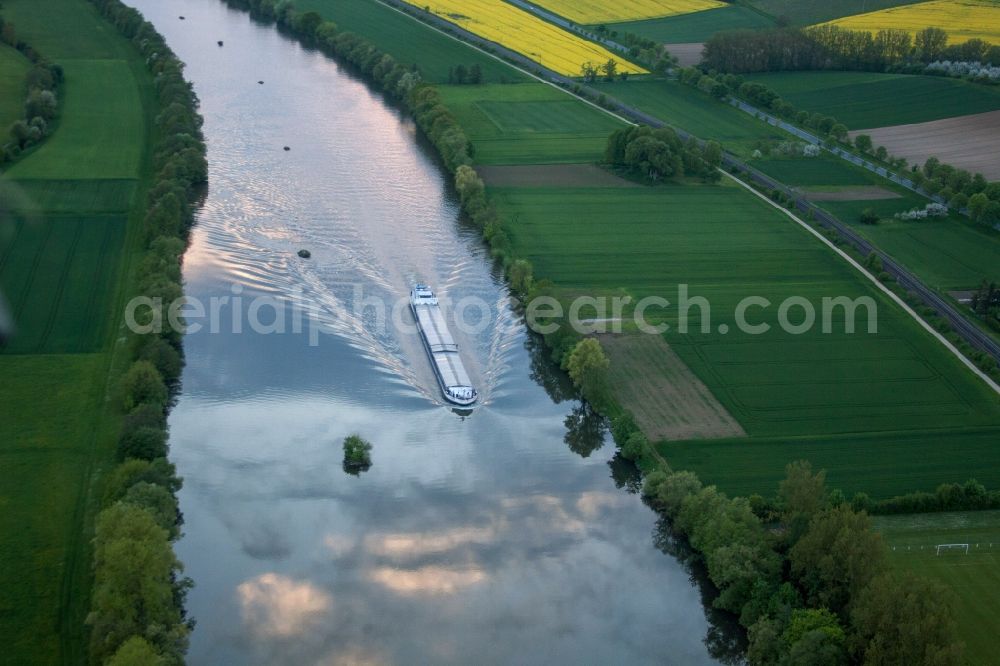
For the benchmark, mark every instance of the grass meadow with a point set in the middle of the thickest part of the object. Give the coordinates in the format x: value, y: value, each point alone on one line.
x: 694, y: 111
x: 529, y: 123
x: 867, y: 99
x: 100, y: 135
x: 974, y: 577
x: 13, y: 69
x: 64, y: 256
x: 409, y: 41
x: 696, y: 26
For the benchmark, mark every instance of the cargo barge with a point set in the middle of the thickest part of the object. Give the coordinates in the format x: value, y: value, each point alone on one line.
x: 441, y: 348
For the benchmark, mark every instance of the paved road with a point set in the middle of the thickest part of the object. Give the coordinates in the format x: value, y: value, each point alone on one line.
x: 972, y: 334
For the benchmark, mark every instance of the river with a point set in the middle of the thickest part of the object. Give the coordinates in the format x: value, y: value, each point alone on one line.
x: 509, y: 536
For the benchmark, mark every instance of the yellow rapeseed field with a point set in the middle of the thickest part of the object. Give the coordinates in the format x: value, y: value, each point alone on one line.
x: 525, y: 33
x: 962, y: 19
x: 614, y: 11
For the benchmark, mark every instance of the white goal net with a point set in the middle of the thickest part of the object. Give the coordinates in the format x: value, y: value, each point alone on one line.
x: 947, y: 547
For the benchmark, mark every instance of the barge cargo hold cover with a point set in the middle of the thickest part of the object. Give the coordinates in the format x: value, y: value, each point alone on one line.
x: 441, y: 348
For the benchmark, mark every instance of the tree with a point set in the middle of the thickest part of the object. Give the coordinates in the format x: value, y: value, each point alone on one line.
x: 159, y: 502
x: 836, y: 558
x: 40, y: 103
x: 164, y: 357
x: 766, y: 646
x: 160, y: 472
x: 634, y: 447
x: 801, y: 495
x: 905, y: 619
x: 735, y: 569
x: 869, y: 216
x: 144, y: 416
x: 610, y: 69
x: 460, y: 74
x: 307, y: 23
x: 863, y: 142
x: 142, y: 384
x: 520, y: 276
x: 674, y: 489
x: 653, y: 158
x: 977, y: 206
x: 357, y: 454
x: 588, y: 366
x: 817, y: 648
x: 136, y: 651
x: 589, y: 72
x: 134, y: 591
x: 476, y: 74
x: 142, y: 444
x: 931, y: 43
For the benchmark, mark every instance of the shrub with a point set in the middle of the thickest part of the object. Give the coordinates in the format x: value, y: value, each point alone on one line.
x: 357, y: 453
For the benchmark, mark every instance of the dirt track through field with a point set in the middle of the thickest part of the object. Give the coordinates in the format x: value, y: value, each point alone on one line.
x: 551, y: 175
x: 667, y: 400
x: 970, y: 142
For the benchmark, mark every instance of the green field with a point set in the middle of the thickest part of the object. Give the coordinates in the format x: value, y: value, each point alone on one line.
x: 59, y: 282
x: 63, y: 261
x: 13, y: 69
x: 806, y: 12
x: 529, y: 123
x: 866, y: 99
x: 816, y: 172
x: 974, y: 577
x: 948, y: 254
x: 408, y: 40
x: 881, y: 464
x: 99, y: 134
x: 727, y: 245
x: 70, y: 196
x: 66, y: 29
x: 44, y: 456
x: 694, y: 111
x: 696, y: 26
